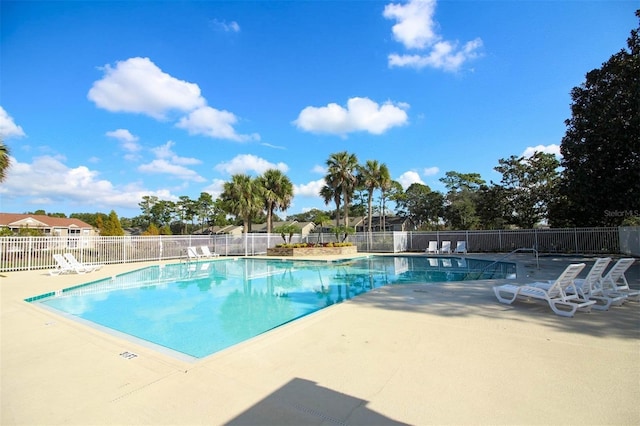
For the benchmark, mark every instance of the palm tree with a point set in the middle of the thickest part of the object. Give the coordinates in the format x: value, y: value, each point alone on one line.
x: 370, y: 176
x: 242, y: 198
x: 385, y: 183
x: 277, y: 191
x: 4, y: 160
x: 341, y: 171
x: 331, y: 192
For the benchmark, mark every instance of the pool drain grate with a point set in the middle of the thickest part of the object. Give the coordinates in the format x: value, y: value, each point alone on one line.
x: 128, y: 355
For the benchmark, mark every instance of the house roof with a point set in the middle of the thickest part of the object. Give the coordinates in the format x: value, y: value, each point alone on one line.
x: 226, y: 229
x: 356, y: 221
x: 389, y: 220
x: 40, y: 221
x: 262, y: 227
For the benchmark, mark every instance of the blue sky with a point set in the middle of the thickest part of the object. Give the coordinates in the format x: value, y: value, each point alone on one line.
x: 102, y: 103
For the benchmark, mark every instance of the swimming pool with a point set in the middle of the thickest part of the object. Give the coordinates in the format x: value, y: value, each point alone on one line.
x: 192, y: 310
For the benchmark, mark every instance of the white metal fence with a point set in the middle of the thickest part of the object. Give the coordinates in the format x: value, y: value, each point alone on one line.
x: 27, y: 253
x: 565, y: 240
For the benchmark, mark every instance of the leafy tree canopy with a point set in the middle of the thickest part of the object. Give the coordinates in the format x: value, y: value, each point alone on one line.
x: 601, y: 147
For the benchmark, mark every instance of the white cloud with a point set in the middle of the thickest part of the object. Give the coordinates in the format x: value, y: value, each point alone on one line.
x: 407, y: 178
x: 430, y: 171
x: 416, y: 29
x: 213, y: 123
x: 162, y: 166
x: 165, y: 152
x: 224, y: 26
x: 361, y: 114
x: 245, y: 163
x: 137, y: 85
x: 319, y: 169
x: 8, y: 128
x: 548, y: 149
x: 444, y: 55
x: 215, y: 188
x: 167, y: 162
x: 127, y: 140
x: 311, y: 189
x: 47, y: 180
x: 268, y: 145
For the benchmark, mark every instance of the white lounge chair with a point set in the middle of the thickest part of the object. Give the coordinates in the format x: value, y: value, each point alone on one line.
x: 88, y: 267
x: 192, y: 252
x: 615, y: 283
x: 562, y: 293
x: 590, y: 287
x: 433, y: 247
x: 446, y: 247
x: 64, y: 267
x: 207, y: 253
x: 461, y: 247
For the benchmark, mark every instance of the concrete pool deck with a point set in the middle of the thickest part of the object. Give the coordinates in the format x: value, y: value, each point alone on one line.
x: 422, y: 354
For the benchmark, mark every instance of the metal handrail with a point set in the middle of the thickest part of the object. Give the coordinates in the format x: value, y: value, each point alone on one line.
x: 533, y: 249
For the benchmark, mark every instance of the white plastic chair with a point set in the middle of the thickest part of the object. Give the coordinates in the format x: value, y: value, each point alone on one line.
x: 446, y: 247
x: 193, y: 253
x: 207, y: 253
x: 562, y: 293
x: 461, y: 247
x: 88, y: 267
x: 615, y: 283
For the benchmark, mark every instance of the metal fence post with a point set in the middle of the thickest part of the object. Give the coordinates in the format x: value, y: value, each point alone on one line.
x: 30, y: 253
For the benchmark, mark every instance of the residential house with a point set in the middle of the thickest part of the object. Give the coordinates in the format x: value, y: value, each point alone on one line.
x: 391, y: 223
x: 219, y: 230
x: 305, y: 227
x: 48, y: 225
x: 354, y: 222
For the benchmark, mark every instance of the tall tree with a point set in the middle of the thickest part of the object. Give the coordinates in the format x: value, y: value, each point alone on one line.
x: 4, y: 160
x: 370, y: 176
x: 162, y: 212
x: 242, y: 197
x: 111, y: 226
x: 601, y: 146
x: 491, y: 207
x: 531, y: 185
x: 420, y: 204
x: 341, y: 172
x: 386, y: 185
x: 460, y: 211
x: 147, y: 203
x: 204, y: 206
x: 277, y: 192
x: 332, y: 192
x: 186, y: 211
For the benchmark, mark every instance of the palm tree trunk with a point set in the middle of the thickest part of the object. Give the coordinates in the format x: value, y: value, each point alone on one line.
x: 269, y: 217
x: 346, y: 207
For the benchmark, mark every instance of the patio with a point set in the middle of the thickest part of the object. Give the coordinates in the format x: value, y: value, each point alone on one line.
x: 427, y: 354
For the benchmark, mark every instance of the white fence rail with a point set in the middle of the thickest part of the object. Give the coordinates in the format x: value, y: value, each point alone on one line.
x: 27, y: 253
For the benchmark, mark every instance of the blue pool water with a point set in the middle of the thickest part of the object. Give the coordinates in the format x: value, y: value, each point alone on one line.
x: 200, y: 308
